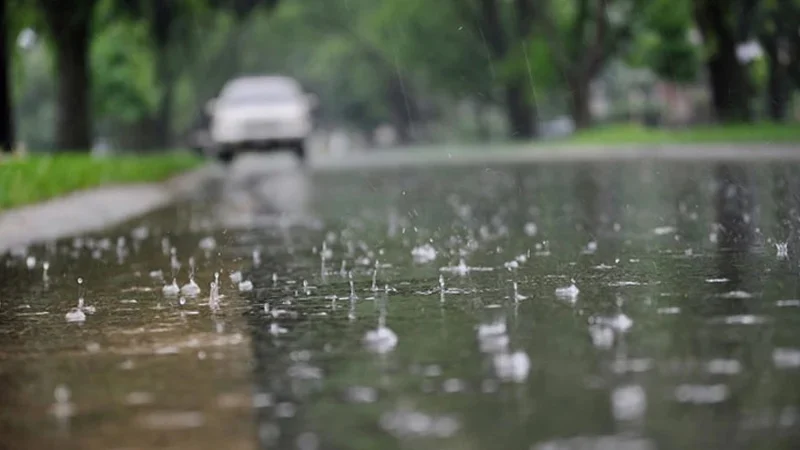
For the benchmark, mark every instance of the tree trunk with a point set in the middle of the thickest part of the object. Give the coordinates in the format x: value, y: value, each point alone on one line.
x: 730, y: 87
x: 403, y: 109
x: 730, y: 95
x: 71, y: 33
x: 580, y: 95
x: 163, y: 119
x: 521, y: 113
x: 6, y: 109
x: 778, y: 90
x: 161, y: 29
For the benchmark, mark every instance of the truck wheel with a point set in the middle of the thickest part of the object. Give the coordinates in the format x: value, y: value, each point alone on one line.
x: 299, y: 149
x: 226, y: 157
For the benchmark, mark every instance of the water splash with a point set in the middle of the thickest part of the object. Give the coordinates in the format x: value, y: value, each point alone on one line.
x: 517, y: 295
x: 492, y: 336
x: 374, y: 287
x: 245, y: 286
x: 174, y: 264
x: 140, y: 233
x: 208, y: 243
x: 701, y: 394
x: 190, y: 289
x: 602, y: 336
x: 380, y: 340
x: 352, y: 285
x: 568, y: 293
x: 213, y: 298
x: 628, y: 403
x: 424, y: 254
x: 351, y: 313
x: 88, y: 309
x: 461, y: 268
x: 513, y: 367
x: 236, y: 277
x: 275, y: 329
x: 531, y: 229
x: 782, y: 250
x: 78, y: 314
x: 122, y: 251
x: 171, y: 290
x: 75, y: 315
x: 786, y: 358
x: 326, y: 254
x: 63, y: 408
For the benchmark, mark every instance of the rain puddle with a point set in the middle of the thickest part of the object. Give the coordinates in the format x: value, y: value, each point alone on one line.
x: 548, y: 307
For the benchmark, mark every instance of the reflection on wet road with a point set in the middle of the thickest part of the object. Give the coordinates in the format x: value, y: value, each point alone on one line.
x: 635, y: 305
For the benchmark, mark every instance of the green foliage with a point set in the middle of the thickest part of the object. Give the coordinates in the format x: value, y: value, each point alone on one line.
x: 356, y: 55
x: 37, y: 178
x: 22, y: 14
x: 33, y: 95
x: 663, y: 44
x: 124, y: 88
x: 341, y: 56
x: 636, y: 134
x: 533, y: 62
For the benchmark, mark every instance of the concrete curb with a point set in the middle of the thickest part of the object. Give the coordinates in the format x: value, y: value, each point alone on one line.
x: 93, y: 209
x: 392, y: 159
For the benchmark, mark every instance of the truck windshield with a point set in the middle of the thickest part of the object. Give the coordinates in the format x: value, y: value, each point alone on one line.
x: 253, y: 94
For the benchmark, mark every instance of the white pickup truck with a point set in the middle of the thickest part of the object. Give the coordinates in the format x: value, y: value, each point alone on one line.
x: 260, y: 113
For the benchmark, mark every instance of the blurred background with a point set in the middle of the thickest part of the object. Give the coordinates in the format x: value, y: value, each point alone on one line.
x: 115, y: 75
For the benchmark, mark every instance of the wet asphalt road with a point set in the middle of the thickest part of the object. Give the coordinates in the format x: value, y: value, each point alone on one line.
x: 461, y: 328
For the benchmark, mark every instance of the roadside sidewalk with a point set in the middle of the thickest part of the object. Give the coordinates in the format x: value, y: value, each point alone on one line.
x: 93, y: 209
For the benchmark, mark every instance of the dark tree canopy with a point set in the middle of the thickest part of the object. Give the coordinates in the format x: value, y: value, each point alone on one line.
x: 6, y: 111
x: 138, y: 72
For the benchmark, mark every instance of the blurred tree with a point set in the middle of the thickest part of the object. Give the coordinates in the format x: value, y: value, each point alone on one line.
x: 775, y: 25
x: 162, y: 16
x: 320, y: 38
x: 34, y: 94
x: 502, y: 38
x: 33, y: 84
x: 793, y: 44
x: 443, y: 58
x: 664, y: 43
x: 6, y: 110
x: 415, y: 64
x: 719, y: 23
x: 169, y: 23
x: 585, y: 35
x: 125, y: 90
x: 69, y: 23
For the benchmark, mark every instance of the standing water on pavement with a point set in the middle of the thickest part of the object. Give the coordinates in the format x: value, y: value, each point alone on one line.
x: 557, y: 306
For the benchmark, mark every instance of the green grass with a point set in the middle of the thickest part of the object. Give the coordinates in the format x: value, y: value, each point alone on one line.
x: 635, y: 134
x: 34, y: 178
